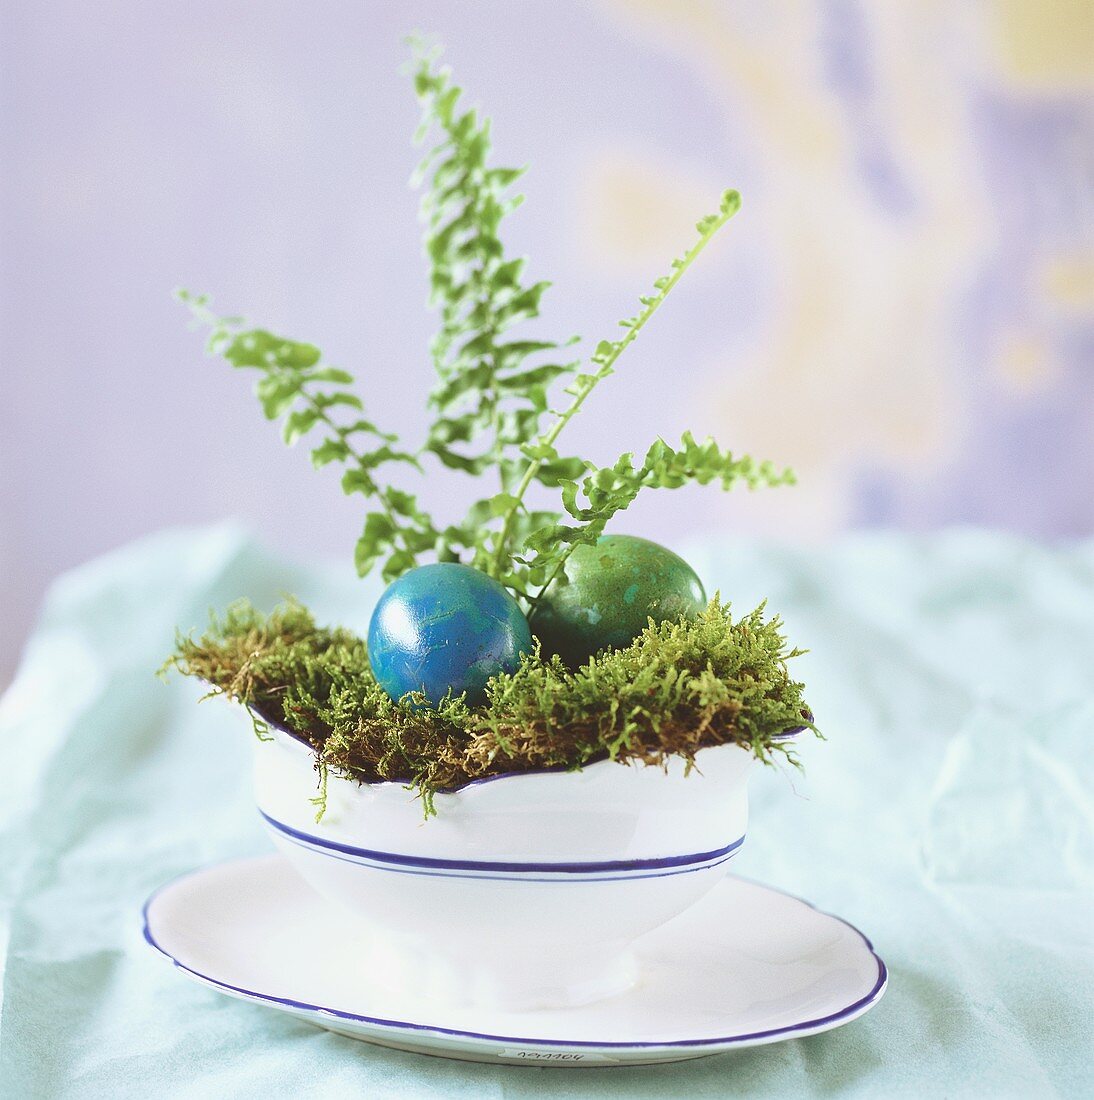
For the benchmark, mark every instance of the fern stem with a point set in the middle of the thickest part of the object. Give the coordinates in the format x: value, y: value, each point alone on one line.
x: 731, y: 203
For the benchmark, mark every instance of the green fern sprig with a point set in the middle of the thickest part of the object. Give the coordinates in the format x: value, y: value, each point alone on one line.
x: 612, y: 489
x: 492, y: 391
x: 296, y: 387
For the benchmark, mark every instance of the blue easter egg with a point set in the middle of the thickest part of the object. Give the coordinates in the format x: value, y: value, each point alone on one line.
x: 445, y: 627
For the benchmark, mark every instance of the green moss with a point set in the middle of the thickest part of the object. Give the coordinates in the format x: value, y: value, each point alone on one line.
x: 677, y: 688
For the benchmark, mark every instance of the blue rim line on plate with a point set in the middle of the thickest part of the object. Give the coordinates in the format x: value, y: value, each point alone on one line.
x: 847, y: 1013
x: 695, y: 861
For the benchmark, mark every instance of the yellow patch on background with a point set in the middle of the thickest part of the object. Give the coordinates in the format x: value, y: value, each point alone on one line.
x: 637, y: 210
x: 1069, y: 282
x: 1025, y: 364
x: 1047, y: 43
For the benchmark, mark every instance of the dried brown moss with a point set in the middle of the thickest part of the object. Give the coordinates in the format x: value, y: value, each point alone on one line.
x: 677, y: 688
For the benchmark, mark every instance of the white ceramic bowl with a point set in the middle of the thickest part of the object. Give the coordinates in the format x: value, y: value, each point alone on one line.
x: 525, y: 890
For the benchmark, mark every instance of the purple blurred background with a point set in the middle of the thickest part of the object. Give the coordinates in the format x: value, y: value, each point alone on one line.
x: 902, y: 310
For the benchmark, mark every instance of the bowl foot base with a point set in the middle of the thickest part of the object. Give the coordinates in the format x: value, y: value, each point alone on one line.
x: 476, y: 976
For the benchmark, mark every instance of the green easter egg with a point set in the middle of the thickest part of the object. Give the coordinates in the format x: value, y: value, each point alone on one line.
x: 611, y: 590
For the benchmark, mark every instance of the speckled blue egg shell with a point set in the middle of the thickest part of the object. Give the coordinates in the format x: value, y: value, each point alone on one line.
x: 445, y: 627
x: 613, y: 588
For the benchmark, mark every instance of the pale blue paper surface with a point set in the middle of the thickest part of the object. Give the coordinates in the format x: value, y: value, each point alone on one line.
x: 949, y: 816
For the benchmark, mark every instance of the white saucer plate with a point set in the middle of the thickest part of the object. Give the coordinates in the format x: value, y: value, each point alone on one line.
x: 746, y: 965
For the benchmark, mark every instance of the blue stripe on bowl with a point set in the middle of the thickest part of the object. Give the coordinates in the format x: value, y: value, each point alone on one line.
x: 395, y: 860
x: 500, y: 876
